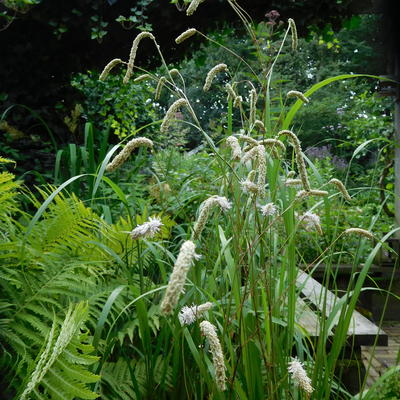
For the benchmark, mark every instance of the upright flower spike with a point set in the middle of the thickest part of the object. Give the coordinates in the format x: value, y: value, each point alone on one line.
x: 262, y: 170
x: 185, y: 35
x: 299, y: 95
x: 210, y: 332
x: 212, y: 74
x: 178, y: 277
x: 253, y: 106
x: 342, y: 189
x: 170, y: 115
x: 147, y: 230
x: 299, y: 375
x: 205, y: 210
x: 126, y: 152
x: 293, y: 29
x: 109, y: 67
x: 299, y: 157
x: 133, y: 52
x: 188, y: 315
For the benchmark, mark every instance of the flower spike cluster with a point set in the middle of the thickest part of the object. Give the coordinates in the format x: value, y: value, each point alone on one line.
x: 299, y: 375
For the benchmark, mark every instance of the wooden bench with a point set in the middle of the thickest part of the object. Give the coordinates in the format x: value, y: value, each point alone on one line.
x: 316, y: 299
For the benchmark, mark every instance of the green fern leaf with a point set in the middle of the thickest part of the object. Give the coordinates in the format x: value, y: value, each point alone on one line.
x: 54, y: 376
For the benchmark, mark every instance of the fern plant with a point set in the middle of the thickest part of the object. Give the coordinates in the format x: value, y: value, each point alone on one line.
x: 58, y: 371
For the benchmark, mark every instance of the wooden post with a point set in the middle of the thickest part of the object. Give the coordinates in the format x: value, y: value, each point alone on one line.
x: 397, y: 146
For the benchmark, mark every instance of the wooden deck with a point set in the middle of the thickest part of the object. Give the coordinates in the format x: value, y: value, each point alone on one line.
x: 383, y: 357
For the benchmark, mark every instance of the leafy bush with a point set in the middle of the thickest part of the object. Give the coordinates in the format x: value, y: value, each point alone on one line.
x: 121, y: 108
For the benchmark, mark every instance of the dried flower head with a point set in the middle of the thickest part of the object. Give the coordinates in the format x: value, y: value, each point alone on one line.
x: 109, y: 67
x: 269, y: 210
x: 311, y: 222
x: 170, y: 115
x: 178, y: 277
x: 210, y: 332
x: 126, y: 152
x: 212, y: 74
x: 185, y: 35
x: 133, y: 52
x: 299, y: 375
x: 148, y: 229
x: 193, y: 7
x: 188, y: 315
x: 234, y: 145
x: 205, y: 209
x: 299, y: 95
x: 360, y: 232
x: 342, y: 189
x: 292, y: 26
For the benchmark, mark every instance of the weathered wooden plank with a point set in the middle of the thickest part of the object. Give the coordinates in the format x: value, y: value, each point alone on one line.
x: 362, y: 328
x: 306, y: 318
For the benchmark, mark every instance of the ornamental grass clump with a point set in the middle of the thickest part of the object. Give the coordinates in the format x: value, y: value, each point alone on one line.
x: 254, y: 252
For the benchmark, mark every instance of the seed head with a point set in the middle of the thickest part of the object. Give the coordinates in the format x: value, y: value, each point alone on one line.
x: 205, y: 210
x: 178, y: 277
x: 210, y: 332
x: 185, y: 35
x: 109, y: 67
x: 126, y: 152
x: 342, y: 189
x: 212, y: 74
x: 171, y: 113
x: 193, y: 7
x: 299, y: 95
x: 360, y: 232
x: 293, y: 29
x: 132, y: 55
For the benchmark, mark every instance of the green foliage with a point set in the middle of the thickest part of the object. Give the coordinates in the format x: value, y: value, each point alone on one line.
x: 121, y: 108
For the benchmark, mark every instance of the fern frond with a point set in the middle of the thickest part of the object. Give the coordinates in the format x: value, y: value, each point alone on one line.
x: 54, y: 373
